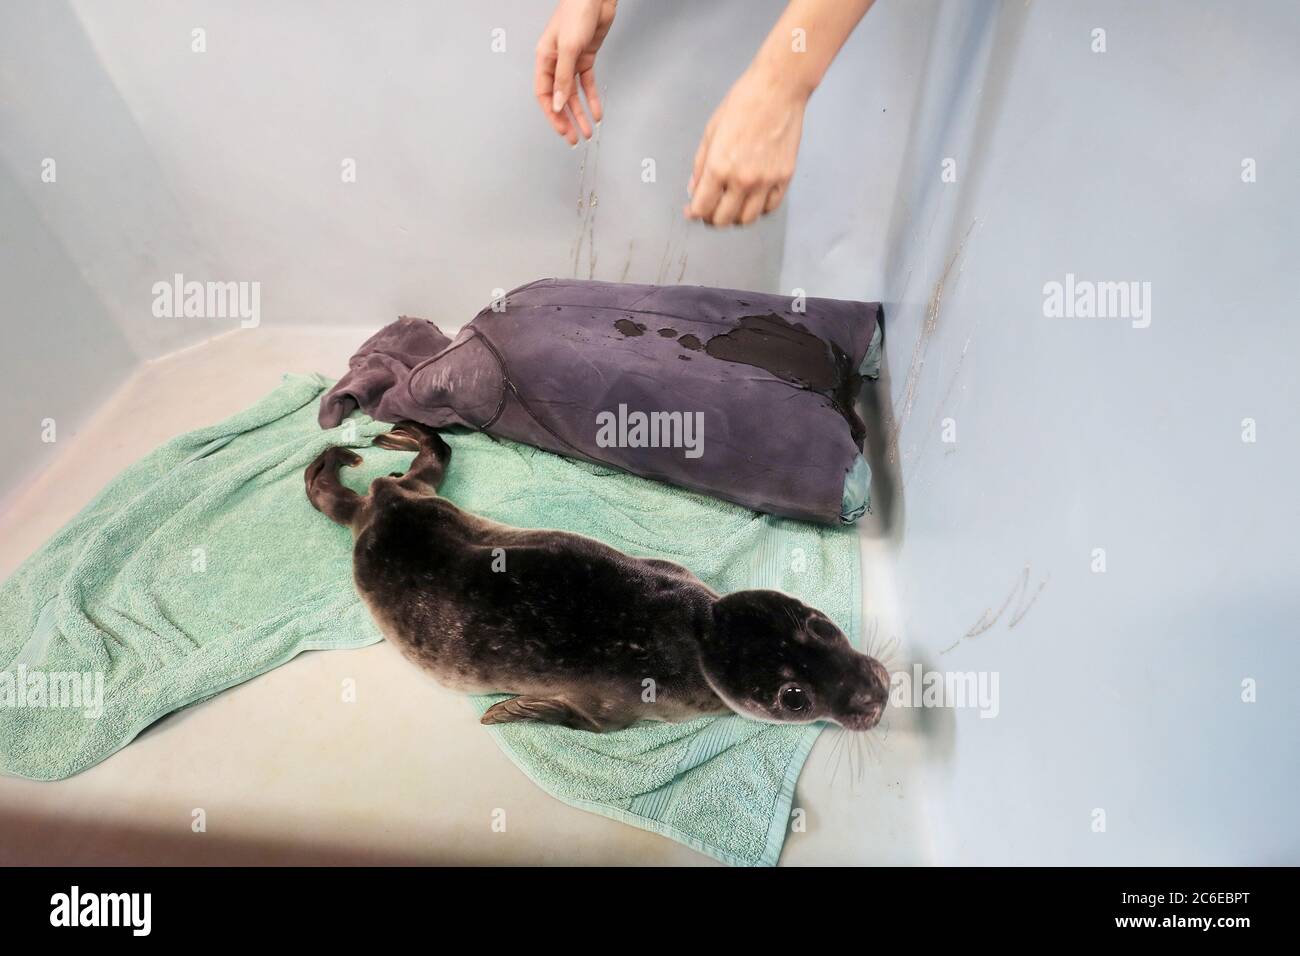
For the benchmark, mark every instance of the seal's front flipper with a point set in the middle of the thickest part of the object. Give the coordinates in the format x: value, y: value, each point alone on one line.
x: 545, y: 710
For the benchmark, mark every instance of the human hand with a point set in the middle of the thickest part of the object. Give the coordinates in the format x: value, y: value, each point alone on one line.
x: 747, y: 156
x: 566, y: 54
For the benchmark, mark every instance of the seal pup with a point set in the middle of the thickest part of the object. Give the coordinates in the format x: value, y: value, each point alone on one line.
x: 586, y: 636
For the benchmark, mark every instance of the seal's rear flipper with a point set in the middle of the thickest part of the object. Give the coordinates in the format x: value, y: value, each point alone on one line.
x: 397, y: 441
x: 432, y: 453
x: 544, y: 710
x: 326, y: 493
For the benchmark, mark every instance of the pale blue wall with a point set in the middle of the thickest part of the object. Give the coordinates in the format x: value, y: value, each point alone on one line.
x: 1119, y: 690
x: 60, y: 350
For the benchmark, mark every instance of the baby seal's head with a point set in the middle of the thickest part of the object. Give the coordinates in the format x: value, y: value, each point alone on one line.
x: 773, y: 658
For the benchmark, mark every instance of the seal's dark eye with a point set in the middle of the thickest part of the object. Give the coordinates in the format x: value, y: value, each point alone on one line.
x: 793, y: 698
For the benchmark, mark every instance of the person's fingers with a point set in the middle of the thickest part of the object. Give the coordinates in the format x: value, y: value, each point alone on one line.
x: 580, y: 115
x: 774, y: 196
x: 559, y: 121
x: 728, y: 208
x: 570, y: 133
x: 753, y: 207
x: 544, y: 65
x: 565, y: 60
x: 544, y: 88
x: 588, y: 78
x: 705, y: 198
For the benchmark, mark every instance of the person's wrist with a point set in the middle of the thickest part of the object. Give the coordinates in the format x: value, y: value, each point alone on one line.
x: 783, y: 73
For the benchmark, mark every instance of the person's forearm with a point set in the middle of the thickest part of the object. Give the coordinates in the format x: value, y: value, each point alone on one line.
x: 799, y: 60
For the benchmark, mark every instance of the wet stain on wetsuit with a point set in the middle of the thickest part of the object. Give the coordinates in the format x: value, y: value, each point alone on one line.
x: 792, y: 353
x: 784, y: 349
x: 844, y: 395
x: 787, y: 351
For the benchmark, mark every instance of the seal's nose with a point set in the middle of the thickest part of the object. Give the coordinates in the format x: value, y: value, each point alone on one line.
x: 865, y: 714
x: 881, y: 675
x: 867, y: 700
x: 867, y: 703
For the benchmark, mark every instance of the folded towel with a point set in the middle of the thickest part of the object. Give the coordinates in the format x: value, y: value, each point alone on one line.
x: 203, y: 565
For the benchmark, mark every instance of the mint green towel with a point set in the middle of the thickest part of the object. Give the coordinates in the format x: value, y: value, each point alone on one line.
x: 203, y: 565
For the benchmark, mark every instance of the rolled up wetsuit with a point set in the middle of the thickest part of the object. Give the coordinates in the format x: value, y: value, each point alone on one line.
x: 746, y: 396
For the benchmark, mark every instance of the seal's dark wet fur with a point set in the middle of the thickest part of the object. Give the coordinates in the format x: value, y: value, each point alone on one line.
x: 587, y: 636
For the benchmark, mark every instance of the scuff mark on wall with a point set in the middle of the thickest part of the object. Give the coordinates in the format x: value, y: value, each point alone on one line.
x: 587, y: 203
x: 1022, y: 598
x: 674, y: 248
x: 627, y: 265
x: 941, y: 407
x: 933, y: 312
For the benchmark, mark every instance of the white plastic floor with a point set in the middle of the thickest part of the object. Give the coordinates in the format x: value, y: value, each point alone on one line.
x: 287, y: 773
